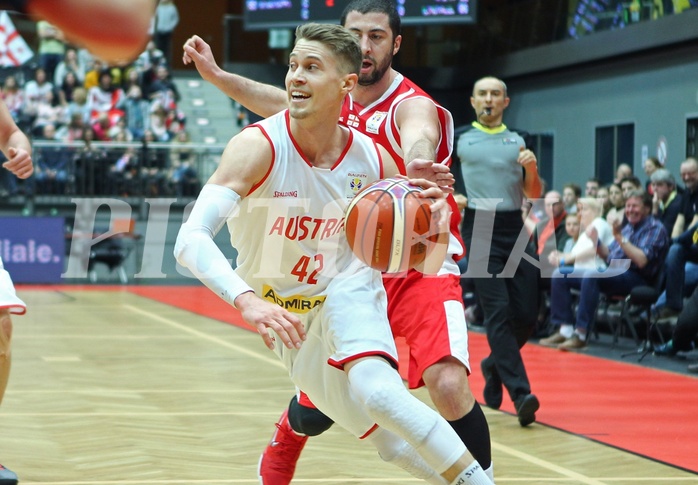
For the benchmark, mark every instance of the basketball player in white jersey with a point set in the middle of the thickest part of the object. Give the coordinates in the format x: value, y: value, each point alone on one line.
x: 427, y: 312
x: 282, y: 186
x: 17, y: 149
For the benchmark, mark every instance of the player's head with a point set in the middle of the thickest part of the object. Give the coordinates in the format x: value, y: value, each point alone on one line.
x: 377, y: 25
x: 323, y: 68
x: 386, y: 7
x: 340, y: 42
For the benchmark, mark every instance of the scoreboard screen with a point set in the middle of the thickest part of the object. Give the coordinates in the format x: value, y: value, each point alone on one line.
x: 273, y: 14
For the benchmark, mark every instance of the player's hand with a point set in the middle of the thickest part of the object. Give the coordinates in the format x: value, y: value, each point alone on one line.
x: 461, y: 201
x: 196, y: 50
x: 527, y: 159
x: 20, y: 163
x: 264, y: 315
x: 439, y: 205
x: 435, y: 172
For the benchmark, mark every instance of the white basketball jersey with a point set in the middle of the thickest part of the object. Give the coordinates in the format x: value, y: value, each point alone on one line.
x: 289, y: 231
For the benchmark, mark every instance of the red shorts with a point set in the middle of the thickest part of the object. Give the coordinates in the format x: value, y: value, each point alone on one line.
x: 428, y: 312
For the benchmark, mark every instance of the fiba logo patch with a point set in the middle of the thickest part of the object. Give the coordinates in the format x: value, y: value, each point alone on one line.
x: 375, y: 121
x: 355, y: 182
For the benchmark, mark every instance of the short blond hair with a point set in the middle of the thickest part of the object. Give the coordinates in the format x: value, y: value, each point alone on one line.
x: 592, y: 203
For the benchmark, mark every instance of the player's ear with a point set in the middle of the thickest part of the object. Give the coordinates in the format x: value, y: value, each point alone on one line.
x: 396, y: 44
x: 349, y: 82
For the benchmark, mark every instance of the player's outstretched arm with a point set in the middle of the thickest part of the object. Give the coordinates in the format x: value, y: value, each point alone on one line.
x: 15, y: 145
x: 262, y: 99
x: 114, y: 31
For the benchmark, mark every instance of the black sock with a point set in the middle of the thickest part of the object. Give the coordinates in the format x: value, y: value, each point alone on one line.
x: 474, y: 431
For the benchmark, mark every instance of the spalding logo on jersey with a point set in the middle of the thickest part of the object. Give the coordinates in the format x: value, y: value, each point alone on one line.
x: 355, y: 182
x: 374, y: 123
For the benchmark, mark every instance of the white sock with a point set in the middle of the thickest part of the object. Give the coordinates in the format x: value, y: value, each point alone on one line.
x: 581, y: 334
x: 566, y: 330
x: 472, y: 475
x: 490, y: 472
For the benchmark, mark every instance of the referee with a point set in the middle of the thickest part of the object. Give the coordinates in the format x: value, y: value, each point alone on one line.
x: 499, y: 173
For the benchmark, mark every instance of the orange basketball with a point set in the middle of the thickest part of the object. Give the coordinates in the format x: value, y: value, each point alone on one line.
x: 388, y: 226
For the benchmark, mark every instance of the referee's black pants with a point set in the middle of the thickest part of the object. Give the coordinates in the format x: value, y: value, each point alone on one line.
x: 509, y: 301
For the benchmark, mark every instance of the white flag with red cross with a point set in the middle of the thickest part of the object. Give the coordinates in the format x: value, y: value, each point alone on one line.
x: 14, y: 51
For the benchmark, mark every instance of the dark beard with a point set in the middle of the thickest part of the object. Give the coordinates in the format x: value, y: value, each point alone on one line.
x: 377, y: 74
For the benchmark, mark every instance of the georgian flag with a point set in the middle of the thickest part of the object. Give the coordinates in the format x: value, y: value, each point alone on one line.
x: 14, y: 51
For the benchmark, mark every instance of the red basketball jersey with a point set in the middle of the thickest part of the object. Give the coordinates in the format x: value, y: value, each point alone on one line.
x: 377, y: 120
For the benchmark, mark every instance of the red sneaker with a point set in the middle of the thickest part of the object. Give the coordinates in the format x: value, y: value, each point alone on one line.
x: 7, y: 477
x: 278, y: 462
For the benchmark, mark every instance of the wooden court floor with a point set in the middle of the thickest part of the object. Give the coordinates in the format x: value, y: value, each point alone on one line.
x: 113, y: 388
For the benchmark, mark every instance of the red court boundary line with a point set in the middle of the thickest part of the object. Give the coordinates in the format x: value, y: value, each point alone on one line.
x: 647, y: 412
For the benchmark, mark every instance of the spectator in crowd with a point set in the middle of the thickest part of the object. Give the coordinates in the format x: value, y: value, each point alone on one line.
x: 137, y: 112
x: 685, y: 334
x: 650, y: 166
x: 183, y: 175
x: 67, y: 88
x: 123, y: 174
x: 53, y: 168
x: 79, y: 105
x: 13, y: 96
x: 93, y: 73
x: 119, y: 131
x: 164, y: 94
x: 166, y: 20
x: 163, y: 89
x: 603, y: 196
x: 617, y: 211
x: 623, y: 170
x: 101, y: 127
x: 689, y: 208
x: 36, y: 90
x: 147, y: 63
x: 570, y: 195
x: 106, y: 98
x: 154, y: 166
x: 572, y: 228
x: 630, y: 184
x: 48, y: 112
x: 74, y: 130
x: 643, y: 241
x: 91, y: 165
x: 51, y: 47
x: 591, y: 187
x: 681, y: 273
x: 132, y: 78
x: 159, y: 123
x: 550, y: 233
x: 70, y: 63
x: 666, y: 201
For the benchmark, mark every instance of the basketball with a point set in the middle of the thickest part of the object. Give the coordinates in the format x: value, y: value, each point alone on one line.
x: 389, y: 227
